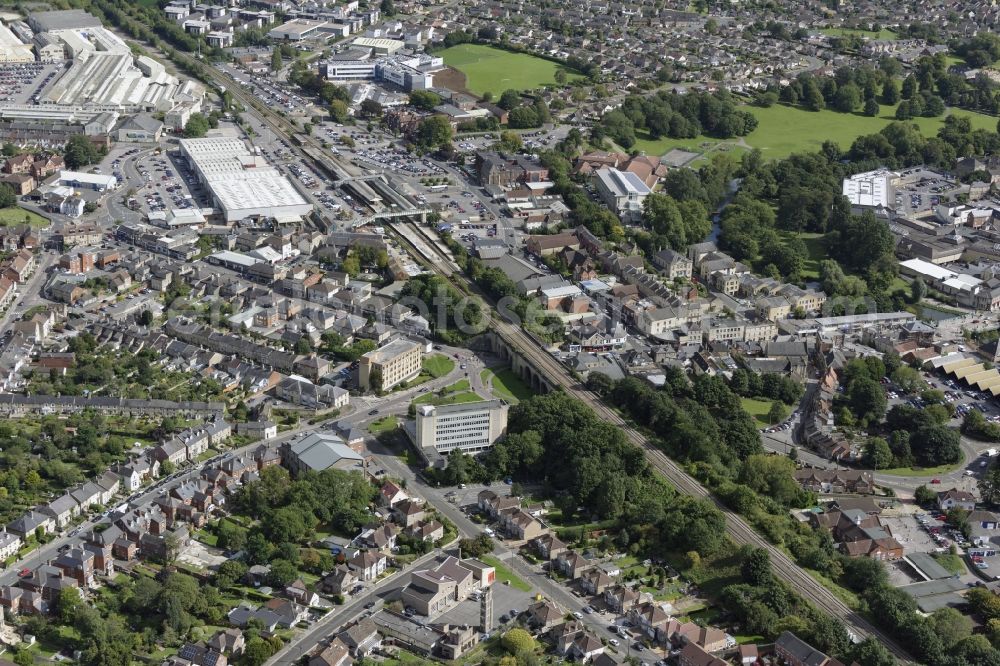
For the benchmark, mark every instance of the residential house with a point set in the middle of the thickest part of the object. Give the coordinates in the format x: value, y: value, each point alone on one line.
x: 368, y: 565
x: 361, y: 638
x: 954, y: 498
x: 62, y: 510
x: 548, y: 546
x: 694, y: 655
x: 543, y: 615
x: 339, y: 581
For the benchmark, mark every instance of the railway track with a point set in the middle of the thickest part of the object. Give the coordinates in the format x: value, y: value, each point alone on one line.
x: 738, y: 529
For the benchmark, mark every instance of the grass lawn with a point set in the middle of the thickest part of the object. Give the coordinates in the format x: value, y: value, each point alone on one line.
x: 783, y: 130
x: 884, y: 33
x: 207, y: 538
x: 14, y: 216
x: 437, y: 365
x: 489, y: 69
x: 504, y: 574
x: 447, y: 399
x: 757, y: 409
x: 817, y: 253
x: 920, y: 471
x: 383, y: 425
x: 508, y: 386
x: 952, y: 563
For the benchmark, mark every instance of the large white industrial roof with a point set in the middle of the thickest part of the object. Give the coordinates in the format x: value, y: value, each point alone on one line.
x: 239, y: 180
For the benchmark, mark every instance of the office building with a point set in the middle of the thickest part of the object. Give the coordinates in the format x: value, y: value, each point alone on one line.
x: 471, y: 427
x: 393, y: 364
x: 623, y: 192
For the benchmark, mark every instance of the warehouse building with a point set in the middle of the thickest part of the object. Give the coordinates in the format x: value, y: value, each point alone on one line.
x: 296, y: 30
x: 13, y: 49
x: 471, y: 427
x: 64, y: 19
x: 87, y: 181
x: 379, y: 46
x: 242, y: 184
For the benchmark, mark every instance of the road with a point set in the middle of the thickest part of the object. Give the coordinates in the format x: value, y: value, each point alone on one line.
x: 50, y: 550
x: 326, y: 626
x: 738, y: 529
x: 28, y: 293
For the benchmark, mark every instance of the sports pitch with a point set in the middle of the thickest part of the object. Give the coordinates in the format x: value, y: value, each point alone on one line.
x: 489, y: 69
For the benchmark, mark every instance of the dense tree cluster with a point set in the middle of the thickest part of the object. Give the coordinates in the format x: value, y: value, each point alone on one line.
x: 453, y: 317
x: 676, y: 116
x: 591, y: 466
x: 80, y: 152
x: 771, y: 386
x: 674, y: 224
x: 290, y: 511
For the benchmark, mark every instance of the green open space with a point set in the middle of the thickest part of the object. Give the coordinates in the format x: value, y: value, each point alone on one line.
x: 757, y: 409
x: 507, y: 385
x: 437, y: 365
x: 783, y: 130
x: 13, y: 216
x: 489, y: 69
x: 920, y: 471
x: 447, y: 398
x: 504, y: 574
x: 816, y: 251
x: 884, y: 33
x: 383, y: 425
x: 953, y: 563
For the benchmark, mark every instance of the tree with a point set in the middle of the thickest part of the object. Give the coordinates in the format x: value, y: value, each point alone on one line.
x: 276, y: 61
x: 560, y: 76
x: 989, y: 484
x: 756, y: 567
x: 510, y: 142
x: 848, y: 98
x: 812, y: 98
x: 907, y: 379
x: 424, y: 100
x: 257, y: 651
x: 509, y: 100
x: 936, y: 445
x: 950, y: 625
x: 370, y: 109
x: 923, y: 495
x: 67, y: 604
x: 871, y: 107
x: 867, y: 399
x: 910, y: 87
x: 387, y: 7
x: 518, y: 641
x: 918, y: 290
x: 282, y: 573
x: 80, y: 152
x: 339, y: 111
x: 777, y: 413
x: 197, y: 126
x: 7, y: 196
x: 877, y: 454
x: 229, y: 573
x: 167, y: 468
x: 434, y: 132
